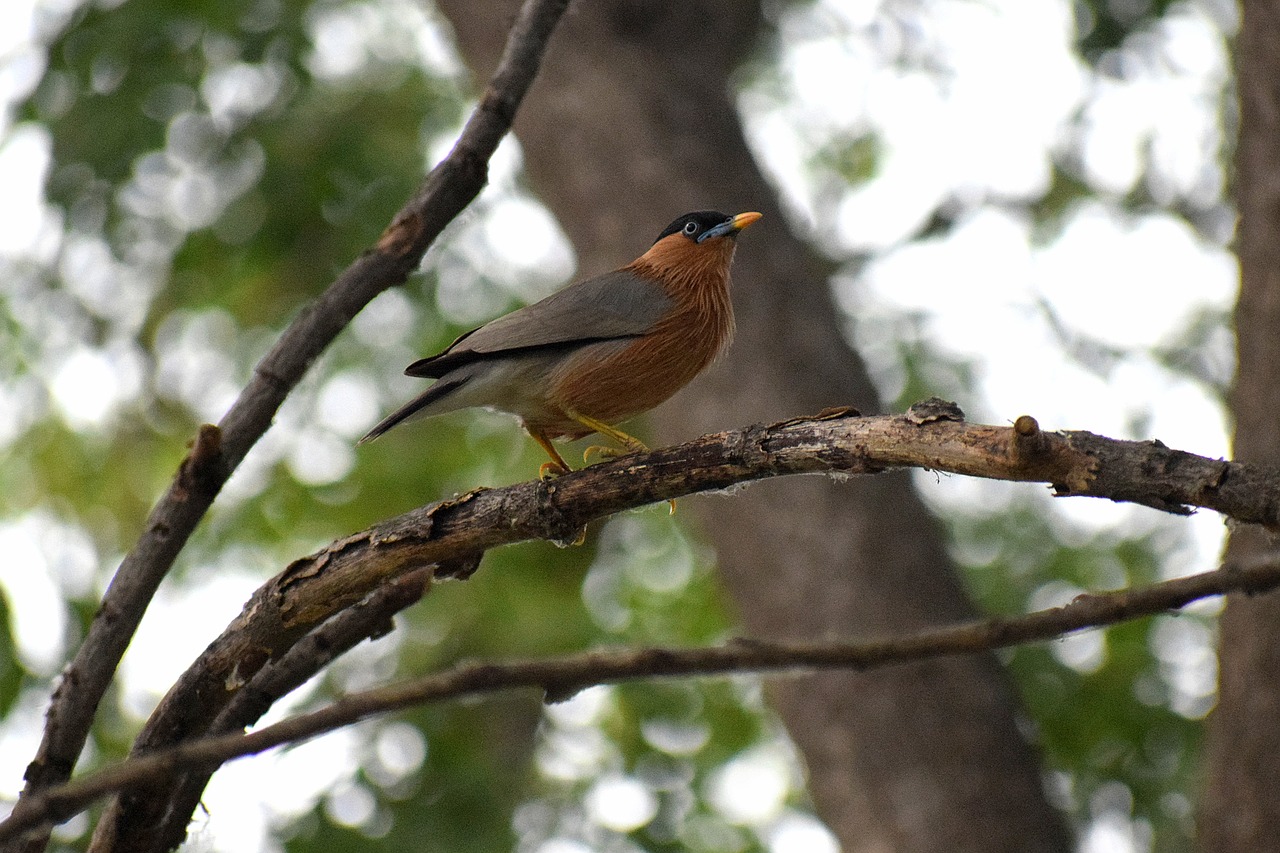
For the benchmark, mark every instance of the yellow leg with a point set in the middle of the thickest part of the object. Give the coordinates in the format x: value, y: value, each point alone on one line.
x: 557, y: 465
x: 630, y: 444
x: 555, y: 468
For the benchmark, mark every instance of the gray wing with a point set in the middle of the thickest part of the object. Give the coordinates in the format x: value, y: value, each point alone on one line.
x: 616, y: 305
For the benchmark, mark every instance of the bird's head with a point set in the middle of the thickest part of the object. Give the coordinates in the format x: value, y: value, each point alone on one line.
x: 703, y: 225
x: 695, y: 250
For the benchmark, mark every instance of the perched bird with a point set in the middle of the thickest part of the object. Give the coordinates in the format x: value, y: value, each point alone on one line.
x: 599, y: 351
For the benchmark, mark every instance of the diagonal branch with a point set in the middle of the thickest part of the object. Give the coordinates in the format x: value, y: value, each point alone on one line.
x: 560, y: 677
x: 369, y: 619
x: 218, y: 450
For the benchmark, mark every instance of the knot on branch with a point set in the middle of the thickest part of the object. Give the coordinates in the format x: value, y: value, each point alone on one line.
x: 1029, y: 443
x: 201, y: 471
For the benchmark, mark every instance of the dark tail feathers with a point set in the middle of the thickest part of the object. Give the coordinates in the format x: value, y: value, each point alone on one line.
x: 417, y: 404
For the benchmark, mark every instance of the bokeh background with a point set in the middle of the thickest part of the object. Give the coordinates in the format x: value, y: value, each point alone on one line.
x: 1024, y: 205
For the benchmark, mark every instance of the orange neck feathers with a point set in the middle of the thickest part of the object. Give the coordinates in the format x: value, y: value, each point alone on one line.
x: 684, y: 267
x: 696, y: 276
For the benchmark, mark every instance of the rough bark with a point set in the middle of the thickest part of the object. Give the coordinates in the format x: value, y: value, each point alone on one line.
x: 1240, y: 810
x: 633, y: 123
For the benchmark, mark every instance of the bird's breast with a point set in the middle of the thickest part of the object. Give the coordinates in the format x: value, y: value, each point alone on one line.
x: 616, y: 380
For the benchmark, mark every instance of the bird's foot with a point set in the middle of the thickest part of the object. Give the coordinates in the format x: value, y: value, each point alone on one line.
x: 603, y: 452
x: 632, y: 445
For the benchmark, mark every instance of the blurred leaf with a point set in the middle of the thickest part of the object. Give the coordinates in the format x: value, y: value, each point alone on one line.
x: 1102, y: 25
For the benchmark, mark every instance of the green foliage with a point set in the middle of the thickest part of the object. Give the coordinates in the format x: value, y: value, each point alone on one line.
x: 11, y: 675
x: 851, y: 159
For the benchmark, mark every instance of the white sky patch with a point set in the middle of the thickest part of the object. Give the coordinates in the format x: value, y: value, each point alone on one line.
x: 796, y: 832
x: 571, y: 756
x: 36, y: 607
x: 523, y: 235
x: 584, y: 709
x: 968, y: 129
x: 181, y: 622
x: 1115, y: 833
x: 676, y: 737
x: 390, y: 319
x: 1083, y: 651
x: 348, y: 403
x: 350, y: 804
x: 319, y: 457
x: 22, y: 61
x: 194, y: 362
x: 85, y: 388
x: 910, y: 180
x: 752, y: 787
x: 1132, y: 281
x: 19, y: 739
x: 621, y: 803
x: 399, y: 750
x: 17, y: 26
x: 247, y: 799
x: 348, y: 39
x: 563, y: 845
x: 1186, y: 650
x: 26, y: 223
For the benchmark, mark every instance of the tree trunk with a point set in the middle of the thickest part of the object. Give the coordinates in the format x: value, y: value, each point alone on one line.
x: 1240, y: 810
x: 633, y: 123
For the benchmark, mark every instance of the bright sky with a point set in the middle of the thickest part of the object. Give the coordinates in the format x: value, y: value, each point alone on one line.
x: 977, y: 132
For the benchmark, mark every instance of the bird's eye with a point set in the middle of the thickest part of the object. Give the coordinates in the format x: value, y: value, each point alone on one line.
x: 691, y: 228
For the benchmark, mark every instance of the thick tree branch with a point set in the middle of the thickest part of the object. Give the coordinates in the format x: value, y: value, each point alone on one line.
x: 446, y: 191
x: 561, y: 677
x: 452, y: 535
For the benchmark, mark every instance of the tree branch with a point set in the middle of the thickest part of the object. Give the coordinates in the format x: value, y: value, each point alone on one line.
x: 369, y: 619
x: 561, y: 677
x: 218, y: 450
x: 450, y: 536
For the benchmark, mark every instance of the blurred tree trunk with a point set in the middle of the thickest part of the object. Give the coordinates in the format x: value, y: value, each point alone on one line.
x: 632, y: 123
x: 1240, y: 810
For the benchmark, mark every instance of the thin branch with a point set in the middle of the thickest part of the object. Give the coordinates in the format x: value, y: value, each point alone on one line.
x: 218, y: 450
x: 561, y: 677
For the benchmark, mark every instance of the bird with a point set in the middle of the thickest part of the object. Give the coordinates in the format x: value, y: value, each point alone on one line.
x: 598, y: 352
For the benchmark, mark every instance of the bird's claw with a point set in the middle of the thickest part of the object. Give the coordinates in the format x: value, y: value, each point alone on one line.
x: 551, y: 470
x: 602, y: 451
x: 606, y: 452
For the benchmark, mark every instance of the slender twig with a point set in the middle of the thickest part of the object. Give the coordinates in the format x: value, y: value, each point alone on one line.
x: 447, y: 190
x: 561, y: 677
